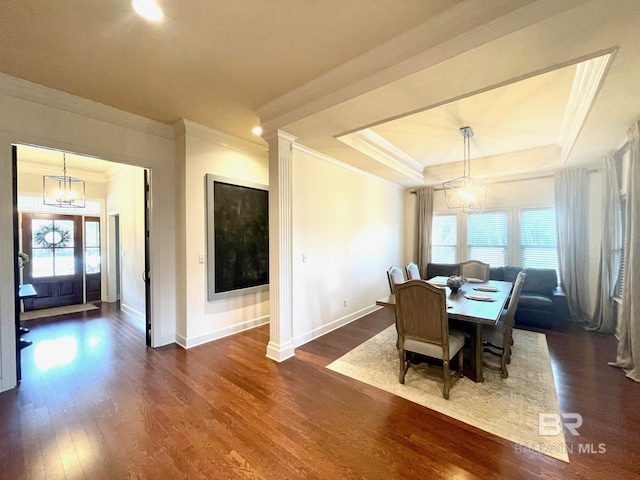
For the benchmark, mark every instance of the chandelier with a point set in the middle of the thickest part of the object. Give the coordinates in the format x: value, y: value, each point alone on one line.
x: 64, y: 191
x: 465, y: 193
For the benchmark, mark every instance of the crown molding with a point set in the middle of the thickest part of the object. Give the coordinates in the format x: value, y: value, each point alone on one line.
x: 40, y: 169
x: 345, y: 166
x: 377, y: 148
x: 281, y: 134
x: 33, y: 92
x: 117, y: 170
x: 188, y: 128
x: 587, y: 81
x: 529, y: 161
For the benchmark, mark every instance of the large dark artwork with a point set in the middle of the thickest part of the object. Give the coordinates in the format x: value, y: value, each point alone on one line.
x: 238, y: 236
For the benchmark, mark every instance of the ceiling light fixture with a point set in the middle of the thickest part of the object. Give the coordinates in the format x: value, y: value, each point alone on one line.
x: 148, y: 9
x: 465, y: 193
x: 63, y: 192
x: 257, y: 130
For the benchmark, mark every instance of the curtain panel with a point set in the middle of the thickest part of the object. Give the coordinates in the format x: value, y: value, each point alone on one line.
x: 424, y: 220
x: 604, y: 316
x: 628, y: 355
x: 572, y: 210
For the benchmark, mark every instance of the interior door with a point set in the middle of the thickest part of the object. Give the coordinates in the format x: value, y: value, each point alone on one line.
x: 54, y: 246
x: 147, y: 263
x: 16, y: 268
x: 93, y: 280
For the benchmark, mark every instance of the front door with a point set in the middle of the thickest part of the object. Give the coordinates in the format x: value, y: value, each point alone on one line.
x: 54, y: 246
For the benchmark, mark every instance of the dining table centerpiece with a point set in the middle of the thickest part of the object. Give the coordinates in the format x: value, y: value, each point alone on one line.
x: 454, y: 282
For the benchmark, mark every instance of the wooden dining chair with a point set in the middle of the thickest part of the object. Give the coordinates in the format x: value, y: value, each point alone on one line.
x: 496, y: 339
x: 423, y: 328
x: 395, y: 276
x: 475, y: 269
x: 412, y: 271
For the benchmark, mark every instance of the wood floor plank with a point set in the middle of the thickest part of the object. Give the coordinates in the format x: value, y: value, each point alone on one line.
x: 95, y: 402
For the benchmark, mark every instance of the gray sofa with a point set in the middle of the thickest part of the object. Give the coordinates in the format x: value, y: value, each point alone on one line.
x: 542, y: 302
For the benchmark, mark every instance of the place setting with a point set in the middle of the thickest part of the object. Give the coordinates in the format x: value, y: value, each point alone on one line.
x: 486, y: 288
x: 482, y: 297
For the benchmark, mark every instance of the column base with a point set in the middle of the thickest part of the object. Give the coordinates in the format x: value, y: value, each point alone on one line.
x: 280, y: 353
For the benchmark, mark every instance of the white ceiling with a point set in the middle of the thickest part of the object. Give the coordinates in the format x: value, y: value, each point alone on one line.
x: 396, y: 78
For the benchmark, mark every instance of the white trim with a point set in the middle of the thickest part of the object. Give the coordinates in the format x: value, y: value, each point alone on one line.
x: 221, y: 332
x: 32, y: 92
x: 186, y: 127
x: 330, y: 327
x: 346, y: 166
x: 459, y: 29
x: 41, y: 170
x: 377, y: 148
x: 133, y: 312
x: 586, y: 85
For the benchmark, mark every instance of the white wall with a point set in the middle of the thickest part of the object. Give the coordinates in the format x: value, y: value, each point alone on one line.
x: 32, y: 114
x: 350, y: 228
x: 125, y: 194
x: 202, y: 150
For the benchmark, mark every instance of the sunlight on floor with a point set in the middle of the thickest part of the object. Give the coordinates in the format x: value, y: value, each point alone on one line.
x: 55, y: 353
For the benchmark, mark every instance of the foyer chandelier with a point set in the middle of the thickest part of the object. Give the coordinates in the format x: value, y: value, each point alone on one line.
x: 465, y: 193
x: 64, y: 191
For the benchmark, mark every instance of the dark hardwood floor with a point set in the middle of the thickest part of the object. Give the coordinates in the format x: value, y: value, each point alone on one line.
x: 95, y: 403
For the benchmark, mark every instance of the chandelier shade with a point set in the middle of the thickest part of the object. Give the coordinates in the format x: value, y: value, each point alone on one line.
x: 465, y: 193
x: 63, y: 191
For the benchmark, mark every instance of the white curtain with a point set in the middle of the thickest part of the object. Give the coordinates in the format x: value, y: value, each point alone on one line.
x: 424, y: 219
x: 628, y: 356
x: 604, y: 316
x: 572, y: 216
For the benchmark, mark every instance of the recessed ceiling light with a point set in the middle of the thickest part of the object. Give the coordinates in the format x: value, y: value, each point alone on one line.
x: 148, y: 9
x: 257, y: 130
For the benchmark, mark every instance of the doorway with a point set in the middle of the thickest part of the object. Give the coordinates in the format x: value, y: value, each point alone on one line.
x: 72, y: 258
x: 113, y: 256
x: 54, y: 245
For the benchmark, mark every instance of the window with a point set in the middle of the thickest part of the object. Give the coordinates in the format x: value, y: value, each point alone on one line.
x: 52, y: 247
x: 538, y: 248
x: 444, y: 237
x: 487, y: 238
x: 92, y: 246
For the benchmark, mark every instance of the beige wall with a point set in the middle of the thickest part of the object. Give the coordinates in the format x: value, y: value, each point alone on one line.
x: 349, y: 227
x: 201, y: 150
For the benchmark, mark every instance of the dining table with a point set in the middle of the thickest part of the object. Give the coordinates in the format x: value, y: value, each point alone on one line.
x: 474, y: 304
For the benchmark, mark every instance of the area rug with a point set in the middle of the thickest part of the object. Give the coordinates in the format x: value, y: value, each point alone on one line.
x: 52, y: 312
x: 507, y: 408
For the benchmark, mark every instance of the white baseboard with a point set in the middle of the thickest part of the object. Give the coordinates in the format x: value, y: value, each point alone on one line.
x: 221, y: 333
x: 133, y: 312
x: 329, y: 327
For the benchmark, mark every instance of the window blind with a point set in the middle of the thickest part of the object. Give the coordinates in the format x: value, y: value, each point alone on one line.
x: 444, y: 238
x: 538, y: 247
x: 487, y: 236
x: 620, y: 285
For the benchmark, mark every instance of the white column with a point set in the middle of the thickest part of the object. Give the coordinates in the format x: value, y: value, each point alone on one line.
x: 280, y: 345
